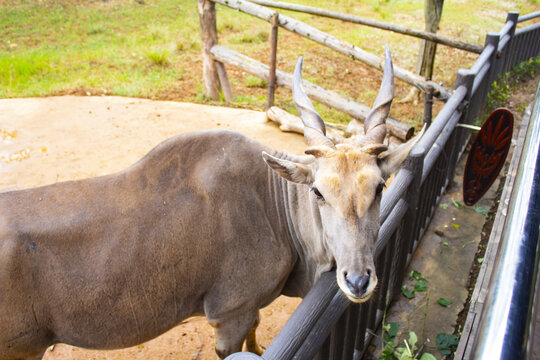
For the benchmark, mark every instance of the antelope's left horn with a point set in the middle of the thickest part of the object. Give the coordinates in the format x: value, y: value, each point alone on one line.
x: 375, y: 124
x: 314, y: 128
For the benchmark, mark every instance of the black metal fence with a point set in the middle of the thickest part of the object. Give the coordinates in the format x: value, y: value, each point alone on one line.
x: 326, y: 325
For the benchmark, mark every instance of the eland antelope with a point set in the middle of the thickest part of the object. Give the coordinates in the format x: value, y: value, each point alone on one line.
x: 208, y: 223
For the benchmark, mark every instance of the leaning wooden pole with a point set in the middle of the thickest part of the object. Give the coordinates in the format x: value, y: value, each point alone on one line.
x: 340, y: 46
x: 315, y: 92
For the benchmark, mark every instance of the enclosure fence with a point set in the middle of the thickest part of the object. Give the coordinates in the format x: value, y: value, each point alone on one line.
x: 326, y: 325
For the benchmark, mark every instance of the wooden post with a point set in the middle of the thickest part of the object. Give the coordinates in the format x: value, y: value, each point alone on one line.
x: 273, y: 54
x: 426, y: 55
x: 224, y: 80
x: 428, y: 106
x: 207, y: 19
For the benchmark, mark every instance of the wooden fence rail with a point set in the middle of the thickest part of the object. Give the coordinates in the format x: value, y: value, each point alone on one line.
x: 440, y: 39
x: 332, y: 42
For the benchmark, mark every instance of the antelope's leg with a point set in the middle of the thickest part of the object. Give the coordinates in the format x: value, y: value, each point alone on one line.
x: 251, y: 339
x: 231, y: 332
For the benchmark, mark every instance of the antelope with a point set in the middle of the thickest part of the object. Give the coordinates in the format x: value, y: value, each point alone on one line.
x: 207, y: 223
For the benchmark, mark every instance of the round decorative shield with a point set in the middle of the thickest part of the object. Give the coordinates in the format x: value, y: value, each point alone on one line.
x: 487, y: 155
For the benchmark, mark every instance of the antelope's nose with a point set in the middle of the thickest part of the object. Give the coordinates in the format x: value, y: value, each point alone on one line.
x: 357, y: 283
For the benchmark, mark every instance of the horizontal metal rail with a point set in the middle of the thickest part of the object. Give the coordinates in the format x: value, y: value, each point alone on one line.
x: 530, y: 16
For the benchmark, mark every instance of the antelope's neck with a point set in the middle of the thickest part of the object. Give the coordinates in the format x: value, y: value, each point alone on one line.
x: 299, y: 215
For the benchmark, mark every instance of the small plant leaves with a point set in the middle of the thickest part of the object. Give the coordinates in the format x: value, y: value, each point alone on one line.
x: 443, y: 206
x: 393, y: 329
x: 427, y: 356
x: 390, y: 331
x: 480, y: 260
x: 457, y: 204
x: 420, y: 286
x: 416, y: 276
x: 446, y: 343
x: 413, y: 339
x: 481, y: 210
x: 387, y: 352
x: 456, y: 226
x: 445, y: 243
x: 408, y: 293
x: 444, y: 302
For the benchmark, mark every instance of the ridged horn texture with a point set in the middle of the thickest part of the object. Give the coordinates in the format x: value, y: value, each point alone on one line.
x: 314, y: 128
x: 375, y: 124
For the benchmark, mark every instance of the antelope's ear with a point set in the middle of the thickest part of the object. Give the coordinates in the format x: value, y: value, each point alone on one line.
x: 291, y: 171
x: 390, y: 161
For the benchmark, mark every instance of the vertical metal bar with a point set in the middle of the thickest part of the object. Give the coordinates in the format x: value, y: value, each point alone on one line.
x: 372, y: 315
x: 384, y: 259
x: 273, y: 55
x: 528, y: 46
x: 453, y: 145
x: 337, y: 336
x: 414, y: 164
x: 361, y: 330
x: 350, y: 331
x: 324, y: 352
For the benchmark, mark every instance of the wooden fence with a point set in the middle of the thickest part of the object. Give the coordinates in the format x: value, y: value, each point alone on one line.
x: 326, y: 325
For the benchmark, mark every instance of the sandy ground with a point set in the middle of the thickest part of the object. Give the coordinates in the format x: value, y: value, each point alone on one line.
x: 47, y: 140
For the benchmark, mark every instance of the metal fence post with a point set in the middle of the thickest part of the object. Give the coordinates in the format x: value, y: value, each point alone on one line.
x: 460, y: 136
x: 508, y: 56
x: 492, y: 39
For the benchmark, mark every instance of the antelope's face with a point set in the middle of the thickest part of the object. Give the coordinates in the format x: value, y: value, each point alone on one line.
x: 347, y: 188
x: 345, y: 183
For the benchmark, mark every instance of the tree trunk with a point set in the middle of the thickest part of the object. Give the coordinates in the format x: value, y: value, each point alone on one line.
x: 426, y: 55
x: 207, y: 19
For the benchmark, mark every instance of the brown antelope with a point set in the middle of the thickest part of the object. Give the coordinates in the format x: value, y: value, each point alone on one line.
x: 199, y: 226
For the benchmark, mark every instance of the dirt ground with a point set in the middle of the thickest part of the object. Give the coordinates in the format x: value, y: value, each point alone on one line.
x: 47, y: 140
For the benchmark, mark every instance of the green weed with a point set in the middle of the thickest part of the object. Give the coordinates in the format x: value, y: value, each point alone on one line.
x: 503, y: 86
x: 254, y: 81
x: 158, y: 56
x: 250, y: 38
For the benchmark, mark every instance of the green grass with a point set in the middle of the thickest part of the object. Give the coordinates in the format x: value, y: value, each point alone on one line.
x: 152, y: 48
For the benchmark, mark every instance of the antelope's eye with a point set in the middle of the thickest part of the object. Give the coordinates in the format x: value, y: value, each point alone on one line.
x: 380, y: 188
x: 317, y: 193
